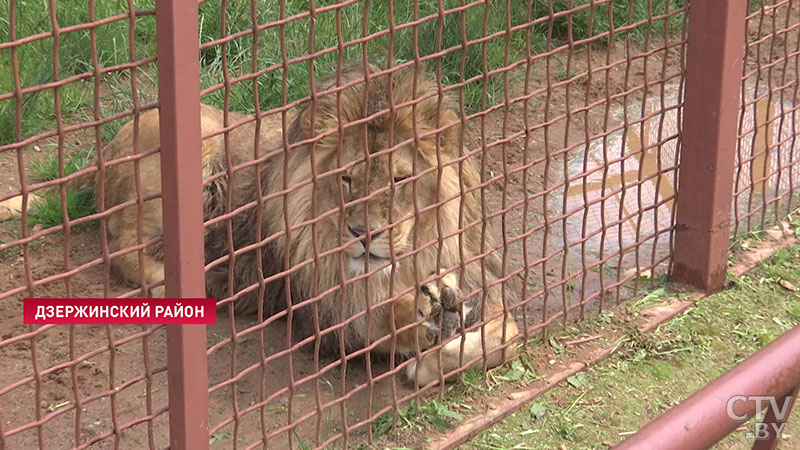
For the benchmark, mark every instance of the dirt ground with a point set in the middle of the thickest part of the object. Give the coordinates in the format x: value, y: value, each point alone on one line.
x: 84, y: 382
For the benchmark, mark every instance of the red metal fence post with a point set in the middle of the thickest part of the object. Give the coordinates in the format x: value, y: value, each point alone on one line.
x: 711, y: 110
x: 181, y: 181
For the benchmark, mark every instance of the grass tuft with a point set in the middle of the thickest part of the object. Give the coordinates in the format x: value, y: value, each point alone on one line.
x: 47, y: 209
x: 47, y: 168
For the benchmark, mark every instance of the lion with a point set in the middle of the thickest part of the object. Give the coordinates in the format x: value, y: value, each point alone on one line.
x: 406, y: 221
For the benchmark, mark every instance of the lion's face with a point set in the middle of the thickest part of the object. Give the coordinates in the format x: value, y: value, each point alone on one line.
x: 380, y: 198
x: 388, y: 180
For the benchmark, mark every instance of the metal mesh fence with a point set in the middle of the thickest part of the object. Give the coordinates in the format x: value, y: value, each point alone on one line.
x: 393, y: 192
x: 766, y: 152
x: 72, y: 74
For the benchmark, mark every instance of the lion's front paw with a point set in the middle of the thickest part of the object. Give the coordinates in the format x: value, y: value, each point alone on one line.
x: 445, y: 317
x: 436, y: 311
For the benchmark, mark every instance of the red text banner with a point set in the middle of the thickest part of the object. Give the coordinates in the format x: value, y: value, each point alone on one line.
x: 186, y: 311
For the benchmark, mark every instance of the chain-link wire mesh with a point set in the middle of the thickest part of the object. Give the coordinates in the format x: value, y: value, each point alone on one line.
x: 72, y: 74
x: 766, y: 151
x: 394, y: 192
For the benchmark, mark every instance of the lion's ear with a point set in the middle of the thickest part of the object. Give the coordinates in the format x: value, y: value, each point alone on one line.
x: 448, y: 138
x: 300, y: 129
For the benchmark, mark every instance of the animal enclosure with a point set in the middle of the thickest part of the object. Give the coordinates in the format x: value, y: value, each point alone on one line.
x: 529, y: 155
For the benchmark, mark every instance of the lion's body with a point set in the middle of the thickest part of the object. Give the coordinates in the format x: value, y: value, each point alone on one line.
x: 321, y: 245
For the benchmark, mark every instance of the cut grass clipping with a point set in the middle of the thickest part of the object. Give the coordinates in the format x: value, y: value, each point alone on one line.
x: 652, y: 372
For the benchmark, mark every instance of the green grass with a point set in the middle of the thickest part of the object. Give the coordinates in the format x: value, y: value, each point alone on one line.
x: 651, y: 373
x: 47, y: 209
x: 478, y: 20
x: 239, y: 51
x: 46, y: 169
x: 416, y: 416
x: 36, y: 58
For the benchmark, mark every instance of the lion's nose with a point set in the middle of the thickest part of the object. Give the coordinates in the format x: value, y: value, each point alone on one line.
x: 360, y: 231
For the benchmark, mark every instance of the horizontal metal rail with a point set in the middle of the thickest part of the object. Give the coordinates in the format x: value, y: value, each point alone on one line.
x: 719, y: 408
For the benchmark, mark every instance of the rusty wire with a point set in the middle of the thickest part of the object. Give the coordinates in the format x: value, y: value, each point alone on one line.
x: 575, y: 133
x: 766, y: 156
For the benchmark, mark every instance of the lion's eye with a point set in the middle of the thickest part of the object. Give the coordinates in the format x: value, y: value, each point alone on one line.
x: 346, y: 179
x: 399, y: 179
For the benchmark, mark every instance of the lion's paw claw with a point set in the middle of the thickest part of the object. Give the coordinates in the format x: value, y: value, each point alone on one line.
x: 445, y: 317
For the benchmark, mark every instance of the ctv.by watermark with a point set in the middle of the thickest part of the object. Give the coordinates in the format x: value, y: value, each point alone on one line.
x: 762, y: 430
